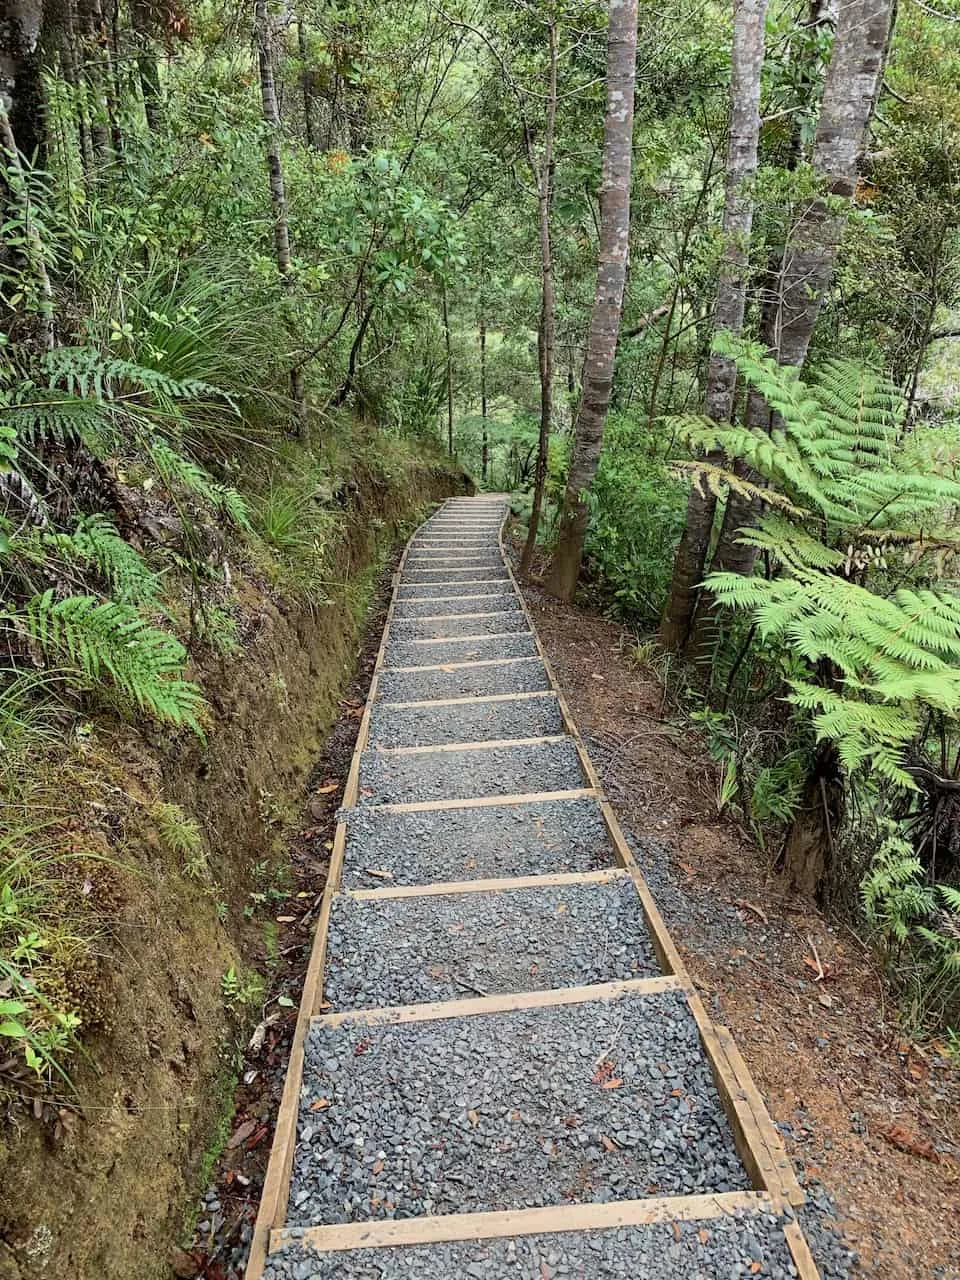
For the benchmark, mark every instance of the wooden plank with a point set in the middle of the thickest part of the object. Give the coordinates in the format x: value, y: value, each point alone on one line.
x: 492, y: 745
x: 469, y: 802
x: 494, y: 595
x: 459, y: 666
x: 475, y: 697
x: 436, y: 888
x: 439, y: 1228
x: 800, y: 1252
x: 510, y: 1002
x: 450, y: 617
x: 491, y: 635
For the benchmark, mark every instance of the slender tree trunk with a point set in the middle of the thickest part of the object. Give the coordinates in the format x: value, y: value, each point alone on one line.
x: 278, y: 195
x: 147, y: 69
x: 484, y: 439
x: 449, y: 371
x: 21, y: 84
x: 850, y: 92
x: 547, y: 324
x: 608, y: 299
x: 94, y: 82
x: 852, y: 84
x: 747, y: 63
x: 309, y: 116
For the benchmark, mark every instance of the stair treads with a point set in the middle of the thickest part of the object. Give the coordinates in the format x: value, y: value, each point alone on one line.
x: 444, y: 627
x: 526, y: 675
x: 709, y: 1248
x: 421, y: 590
x: 395, y: 951
x: 478, y: 842
x: 508, y: 602
x: 595, y: 1101
x: 400, y: 778
x: 404, y: 653
x: 446, y: 722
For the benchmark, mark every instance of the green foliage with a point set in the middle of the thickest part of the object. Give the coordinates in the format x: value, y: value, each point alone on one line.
x: 866, y: 658
x: 91, y: 639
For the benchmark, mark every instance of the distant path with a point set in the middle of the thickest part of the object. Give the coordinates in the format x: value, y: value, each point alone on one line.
x: 501, y: 1067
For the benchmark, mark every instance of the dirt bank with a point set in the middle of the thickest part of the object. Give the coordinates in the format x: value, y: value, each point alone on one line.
x: 100, y: 1190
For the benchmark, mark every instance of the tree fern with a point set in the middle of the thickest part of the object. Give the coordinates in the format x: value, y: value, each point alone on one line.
x: 111, y: 639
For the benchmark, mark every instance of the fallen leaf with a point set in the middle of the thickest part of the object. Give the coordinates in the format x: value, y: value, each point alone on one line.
x: 473, y: 1117
x: 379, y: 875
x: 378, y: 1167
x: 241, y: 1134
x: 825, y: 1000
x: 755, y: 1267
x: 611, y: 1084
x: 608, y: 1143
x: 320, y: 1104
x: 703, y: 1235
x: 328, y: 789
x: 561, y: 908
x: 751, y: 906
x: 676, y: 1230
x: 285, y: 919
x: 911, y: 1143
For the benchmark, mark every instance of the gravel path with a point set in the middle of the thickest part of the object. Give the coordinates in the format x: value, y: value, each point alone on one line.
x: 467, y: 722
x: 401, y: 653
x: 457, y: 775
x: 727, y: 1248
x: 477, y: 573
x: 391, y: 951
x: 474, y: 843
x: 505, y: 603
x: 496, y: 623
x: 421, y: 590
x: 509, y: 1111
x: 529, y: 675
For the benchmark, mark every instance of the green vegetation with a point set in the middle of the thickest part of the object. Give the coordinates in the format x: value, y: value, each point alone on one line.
x: 250, y: 259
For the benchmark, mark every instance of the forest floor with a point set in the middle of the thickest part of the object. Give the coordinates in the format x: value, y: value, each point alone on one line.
x: 872, y: 1118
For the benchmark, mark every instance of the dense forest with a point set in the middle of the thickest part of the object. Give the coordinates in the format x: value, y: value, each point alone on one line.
x: 684, y: 280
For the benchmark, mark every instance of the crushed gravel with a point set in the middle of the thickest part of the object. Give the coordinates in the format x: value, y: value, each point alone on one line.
x: 429, y: 726
x: 508, y: 1111
x: 392, y: 951
x: 715, y: 1249
x: 401, y: 778
x: 505, y: 603
x: 419, y: 590
x: 474, y: 843
x: 473, y: 573
x: 526, y: 675
x: 495, y: 623
x: 401, y: 653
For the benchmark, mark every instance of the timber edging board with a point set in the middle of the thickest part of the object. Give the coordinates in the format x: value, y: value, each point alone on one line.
x: 758, y: 1142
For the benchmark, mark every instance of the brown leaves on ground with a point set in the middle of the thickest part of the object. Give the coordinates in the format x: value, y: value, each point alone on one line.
x: 913, y: 1144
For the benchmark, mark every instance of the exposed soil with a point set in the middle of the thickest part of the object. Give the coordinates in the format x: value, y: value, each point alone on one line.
x: 870, y: 1118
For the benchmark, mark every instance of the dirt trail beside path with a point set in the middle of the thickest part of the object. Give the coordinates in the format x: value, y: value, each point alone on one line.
x: 873, y: 1119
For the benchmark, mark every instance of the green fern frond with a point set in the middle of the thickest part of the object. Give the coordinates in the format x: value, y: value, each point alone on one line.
x: 109, y: 638
x: 96, y: 542
x: 175, y: 471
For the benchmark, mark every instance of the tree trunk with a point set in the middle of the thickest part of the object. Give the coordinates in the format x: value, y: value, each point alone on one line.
x: 17, y: 195
x: 484, y: 440
x: 850, y: 91
x: 608, y: 299
x: 449, y: 378
x: 309, y: 122
x: 147, y: 65
x: 746, y: 65
x: 278, y: 196
x: 21, y: 83
x: 544, y: 173
x: 809, y: 850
